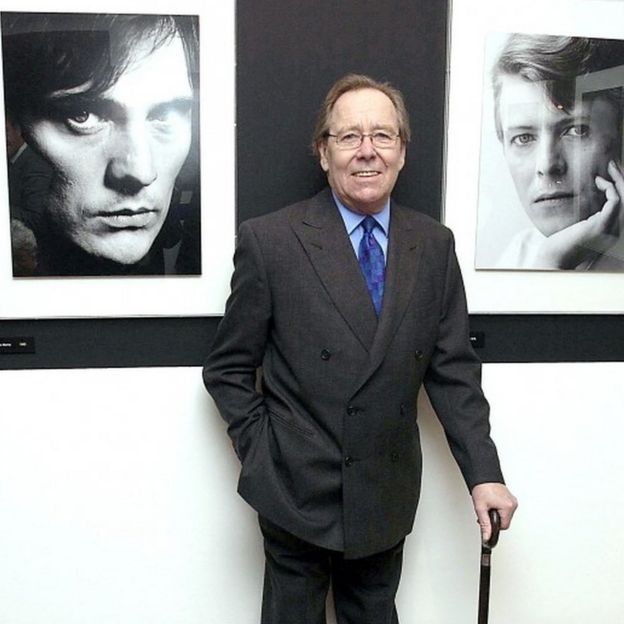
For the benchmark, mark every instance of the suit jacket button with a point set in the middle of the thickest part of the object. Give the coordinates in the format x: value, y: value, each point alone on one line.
x: 352, y: 410
x: 325, y: 354
x: 419, y: 354
x: 348, y: 461
x: 394, y: 457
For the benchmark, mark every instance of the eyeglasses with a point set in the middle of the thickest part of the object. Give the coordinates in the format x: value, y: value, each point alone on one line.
x: 353, y: 140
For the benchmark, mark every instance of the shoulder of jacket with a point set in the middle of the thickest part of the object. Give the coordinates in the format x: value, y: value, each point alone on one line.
x: 280, y: 218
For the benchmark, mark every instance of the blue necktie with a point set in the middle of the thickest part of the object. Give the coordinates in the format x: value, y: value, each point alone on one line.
x: 371, y: 259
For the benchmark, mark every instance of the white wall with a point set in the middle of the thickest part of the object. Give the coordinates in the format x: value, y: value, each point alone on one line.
x: 118, y: 504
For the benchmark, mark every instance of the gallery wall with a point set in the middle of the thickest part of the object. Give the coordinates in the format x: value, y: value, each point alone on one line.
x: 117, y: 485
x: 118, y: 503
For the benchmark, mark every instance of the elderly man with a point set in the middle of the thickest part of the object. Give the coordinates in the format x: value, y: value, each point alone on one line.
x: 558, y: 113
x: 348, y: 302
x: 107, y: 102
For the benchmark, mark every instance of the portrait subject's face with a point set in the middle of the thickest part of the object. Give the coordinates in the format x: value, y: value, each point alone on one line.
x: 115, y: 156
x: 364, y: 177
x: 554, y: 155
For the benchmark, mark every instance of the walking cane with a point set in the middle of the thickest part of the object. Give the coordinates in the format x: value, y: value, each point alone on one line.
x: 486, y: 560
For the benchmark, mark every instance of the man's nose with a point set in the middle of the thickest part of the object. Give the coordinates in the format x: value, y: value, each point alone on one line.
x: 131, y: 163
x: 551, y: 159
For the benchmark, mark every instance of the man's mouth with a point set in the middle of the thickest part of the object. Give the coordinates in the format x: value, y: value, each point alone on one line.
x: 554, y: 196
x: 367, y: 173
x: 127, y: 217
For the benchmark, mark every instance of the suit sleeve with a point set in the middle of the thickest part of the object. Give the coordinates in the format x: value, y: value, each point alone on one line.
x: 453, y: 383
x: 230, y: 369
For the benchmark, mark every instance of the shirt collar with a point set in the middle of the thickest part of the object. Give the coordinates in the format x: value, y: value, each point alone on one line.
x: 352, y: 219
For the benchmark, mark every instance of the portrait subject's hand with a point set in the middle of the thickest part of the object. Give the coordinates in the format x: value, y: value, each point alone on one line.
x: 614, y: 193
x: 584, y: 240
x: 486, y: 496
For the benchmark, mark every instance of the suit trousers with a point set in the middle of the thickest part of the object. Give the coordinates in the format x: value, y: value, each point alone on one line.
x: 298, y: 574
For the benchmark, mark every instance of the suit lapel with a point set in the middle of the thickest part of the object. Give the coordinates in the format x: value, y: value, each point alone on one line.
x: 322, y: 233
x: 404, y: 253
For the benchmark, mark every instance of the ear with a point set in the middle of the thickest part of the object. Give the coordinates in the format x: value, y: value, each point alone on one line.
x: 402, y: 157
x: 322, y: 149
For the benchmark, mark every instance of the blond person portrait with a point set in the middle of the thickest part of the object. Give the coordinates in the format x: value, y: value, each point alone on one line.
x: 562, y: 145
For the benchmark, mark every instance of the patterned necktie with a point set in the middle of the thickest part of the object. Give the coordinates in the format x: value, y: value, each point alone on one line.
x: 371, y: 259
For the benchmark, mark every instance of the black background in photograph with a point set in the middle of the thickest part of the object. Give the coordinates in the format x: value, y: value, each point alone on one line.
x: 289, y: 52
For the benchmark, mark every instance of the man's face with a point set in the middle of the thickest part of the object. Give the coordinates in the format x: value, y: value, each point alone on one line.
x: 116, y: 156
x: 554, y: 155
x: 363, y: 177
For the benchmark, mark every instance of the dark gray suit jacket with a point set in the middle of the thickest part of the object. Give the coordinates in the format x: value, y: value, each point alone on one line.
x: 330, y: 447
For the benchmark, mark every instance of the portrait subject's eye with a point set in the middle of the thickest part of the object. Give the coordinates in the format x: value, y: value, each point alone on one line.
x: 521, y: 140
x: 166, y: 118
x: 84, y: 122
x: 577, y: 131
x: 80, y: 116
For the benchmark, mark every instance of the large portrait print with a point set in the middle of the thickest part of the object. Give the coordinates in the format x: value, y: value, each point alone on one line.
x: 551, y: 181
x: 102, y: 136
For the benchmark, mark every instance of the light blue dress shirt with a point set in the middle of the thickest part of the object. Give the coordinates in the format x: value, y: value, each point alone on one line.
x: 353, y: 224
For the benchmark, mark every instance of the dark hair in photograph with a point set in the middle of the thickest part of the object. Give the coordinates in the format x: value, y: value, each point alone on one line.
x: 47, y: 52
x: 557, y: 61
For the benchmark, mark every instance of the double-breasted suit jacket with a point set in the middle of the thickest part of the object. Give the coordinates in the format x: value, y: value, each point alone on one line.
x: 328, y: 439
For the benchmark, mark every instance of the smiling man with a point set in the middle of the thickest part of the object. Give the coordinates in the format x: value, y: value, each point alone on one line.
x: 349, y: 302
x: 558, y: 108
x: 107, y: 101
x: 362, y: 171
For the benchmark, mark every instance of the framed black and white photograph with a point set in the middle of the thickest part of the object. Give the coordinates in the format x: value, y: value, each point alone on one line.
x: 102, y: 118
x: 534, y: 157
x: 556, y: 129
x: 114, y: 130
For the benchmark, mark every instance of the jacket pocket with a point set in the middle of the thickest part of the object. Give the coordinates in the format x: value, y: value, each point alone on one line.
x: 287, y: 422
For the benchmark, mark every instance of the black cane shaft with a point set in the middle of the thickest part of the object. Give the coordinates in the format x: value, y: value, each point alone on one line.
x: 484, y: 585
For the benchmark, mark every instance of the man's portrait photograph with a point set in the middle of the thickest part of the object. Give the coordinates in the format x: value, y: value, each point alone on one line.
x: 102, y: 137
x: 551, y: 187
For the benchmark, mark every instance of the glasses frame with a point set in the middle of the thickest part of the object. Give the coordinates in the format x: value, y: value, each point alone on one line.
x: 362, y: 135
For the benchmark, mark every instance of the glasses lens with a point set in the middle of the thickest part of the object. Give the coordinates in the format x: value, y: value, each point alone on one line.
x: 349, y: 140
x: 382, y: 139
